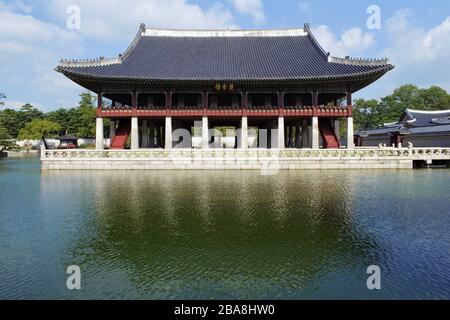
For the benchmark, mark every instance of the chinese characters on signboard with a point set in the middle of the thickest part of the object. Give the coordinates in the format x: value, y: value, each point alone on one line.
x: 224, y: 87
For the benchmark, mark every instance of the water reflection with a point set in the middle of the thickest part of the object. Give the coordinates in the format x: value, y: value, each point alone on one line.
x: 210, y: 234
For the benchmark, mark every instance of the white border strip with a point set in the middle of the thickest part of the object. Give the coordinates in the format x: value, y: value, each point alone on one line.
x: 224, y: 33
x: 427, y: 112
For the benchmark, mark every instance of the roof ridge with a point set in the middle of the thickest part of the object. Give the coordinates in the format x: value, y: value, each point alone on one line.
x: 101, y: 61
x: 427, y: 111
x: 159, y: 32
x: 373, y: 62
x: 313, y: 38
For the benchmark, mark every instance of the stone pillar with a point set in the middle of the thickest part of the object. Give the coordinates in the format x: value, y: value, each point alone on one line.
x: 152, y: 135
x: 134, y: 133
x: 112, y: 129
x: 159, y: 136
x: 336, y: 128
x: 263, y: 138
x: 298, y: 136
x: 280, y: 133
x: 168, y: 134
x: 315, y: 133
x: 244, y: 133
x: 291, y: 137
x: 350, y: 138
x: 286, y: 136
x: 205, y: 133
x: 144, y: 133
x: 99, y: 139
x: 305, y: 134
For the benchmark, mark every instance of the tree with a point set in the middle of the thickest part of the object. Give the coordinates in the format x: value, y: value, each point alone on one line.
x: 62, y: 117
x: 366, y: 114
x: 28, y: 113
x: 2, y: 96
x: 10, y: 121
x: 434, y: 98
x: 5, y: 142
x: 85, y: 116
x: 38, y: 130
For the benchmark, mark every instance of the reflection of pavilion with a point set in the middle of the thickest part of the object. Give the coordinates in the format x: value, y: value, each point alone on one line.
x: 280, y: 82
x: 191, y: 234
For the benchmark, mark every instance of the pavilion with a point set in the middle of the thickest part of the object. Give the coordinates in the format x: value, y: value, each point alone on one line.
x: 278, y: 84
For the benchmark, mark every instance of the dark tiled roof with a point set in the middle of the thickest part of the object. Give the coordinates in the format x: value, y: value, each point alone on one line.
x: 415, y: 122
x: 196, y: 56
x: 427, y: 118
x: 68, y: 137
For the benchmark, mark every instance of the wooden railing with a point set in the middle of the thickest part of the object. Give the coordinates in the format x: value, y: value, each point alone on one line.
x: 225, y: 111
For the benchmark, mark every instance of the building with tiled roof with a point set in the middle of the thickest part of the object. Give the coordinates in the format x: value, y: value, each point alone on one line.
x: 415, y: 127
x: 262, y: 79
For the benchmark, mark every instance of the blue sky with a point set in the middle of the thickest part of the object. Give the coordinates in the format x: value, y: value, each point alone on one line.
x: 414, y: 35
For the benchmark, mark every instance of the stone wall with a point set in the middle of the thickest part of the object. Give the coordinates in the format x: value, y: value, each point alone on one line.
x: 233, y: 159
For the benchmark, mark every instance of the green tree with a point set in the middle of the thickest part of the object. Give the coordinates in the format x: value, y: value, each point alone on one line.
x: 10, y: 120
x: 393, y: 106
x: 434, y: 98
x: 28, y: 113
x: 38, y: 130
x: 366, y: 114
x: 62, y: 117
x: 86, y: 115
x: 6, y: 144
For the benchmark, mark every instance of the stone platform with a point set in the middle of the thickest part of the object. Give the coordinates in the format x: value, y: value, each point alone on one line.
x: 233, y: 159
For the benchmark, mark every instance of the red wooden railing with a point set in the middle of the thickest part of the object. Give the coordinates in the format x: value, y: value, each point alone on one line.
x: 307, y: 111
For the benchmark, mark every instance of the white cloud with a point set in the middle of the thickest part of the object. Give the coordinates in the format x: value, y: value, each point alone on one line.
x: 351, y: 42
x: 16, y: 105
x: 420, y: 55
x: 253, y: 8
x: 30, y: 50
x: 113, y: 19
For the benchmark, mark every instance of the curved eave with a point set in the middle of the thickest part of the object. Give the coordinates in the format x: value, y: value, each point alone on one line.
x: 336, y: 78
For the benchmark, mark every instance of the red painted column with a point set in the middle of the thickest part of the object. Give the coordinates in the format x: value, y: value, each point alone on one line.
x: 315, y: 102
x: 244, y: 103
x: 134, y: 103
x: 168, y: 102
x: 281, y: 103
x: 99, y: 103
x: 349, y: 103
x: 100, y: 100
x: 205, y: 103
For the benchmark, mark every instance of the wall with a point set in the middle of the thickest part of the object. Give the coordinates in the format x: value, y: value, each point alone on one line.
x: 442, y: 141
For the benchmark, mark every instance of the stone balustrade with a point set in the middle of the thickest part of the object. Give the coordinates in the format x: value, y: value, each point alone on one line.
x: 407, y: 153
x: 359, y: 158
